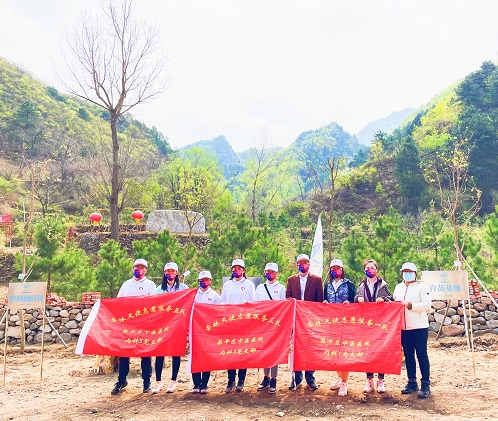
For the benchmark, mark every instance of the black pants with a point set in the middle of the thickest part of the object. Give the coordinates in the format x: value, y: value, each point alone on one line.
x: 124, y: 369
x: 175, y: 367
x: 416, y: 341
x: 242, y: 375
x: 308, y: 375
x: 201, y: 379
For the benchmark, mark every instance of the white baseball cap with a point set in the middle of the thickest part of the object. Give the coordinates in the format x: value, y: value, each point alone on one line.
x: 409, y: 266
x: 239, y: 262
x: 171, y: 265
x: 302, y: 257
x: 271, y: 266
x: 336, y: 262
x: 141, y: 262
x: 204, y: 274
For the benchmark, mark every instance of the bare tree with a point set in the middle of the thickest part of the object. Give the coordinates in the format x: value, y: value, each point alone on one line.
x: 459, y: 197
x: 112, y: 62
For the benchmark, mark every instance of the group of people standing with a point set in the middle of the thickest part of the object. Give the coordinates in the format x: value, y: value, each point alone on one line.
x: 338, y: 289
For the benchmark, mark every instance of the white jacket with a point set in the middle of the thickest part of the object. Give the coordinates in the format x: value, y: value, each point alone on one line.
x: 417, y: 294
x: 277, y: 291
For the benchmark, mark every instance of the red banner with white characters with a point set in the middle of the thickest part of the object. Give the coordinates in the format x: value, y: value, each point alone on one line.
x: 348, y: 337
x: 138, y: 326
x: 231, y: 336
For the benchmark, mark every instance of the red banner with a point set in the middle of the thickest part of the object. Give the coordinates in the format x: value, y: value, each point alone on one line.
x: 351, y: 337
x: 230, y: 336
x: 138, y: 326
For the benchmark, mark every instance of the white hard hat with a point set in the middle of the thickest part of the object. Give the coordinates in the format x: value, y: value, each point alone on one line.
x: 409, y: 266
x: 171, y: 265
x: 336, y: 262
x: 141, y: 262
x: 204, y: 274
x: 239, y: 262
x: 271, y: 266
x: 302, y: 257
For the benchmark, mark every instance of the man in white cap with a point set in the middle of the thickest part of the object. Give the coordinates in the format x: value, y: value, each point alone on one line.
x: 137, y: 286
x: 205, y: 295
x: 270, y: 290
x: 308, y: 287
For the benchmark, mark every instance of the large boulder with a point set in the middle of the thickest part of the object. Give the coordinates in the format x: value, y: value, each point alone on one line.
x: 175, y: 221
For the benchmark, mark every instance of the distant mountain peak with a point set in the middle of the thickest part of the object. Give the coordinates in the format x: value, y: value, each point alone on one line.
x: 386, y: 125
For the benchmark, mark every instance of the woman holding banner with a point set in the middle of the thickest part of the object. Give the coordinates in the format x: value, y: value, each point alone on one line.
x: 339, y: 290
x: 373, y: 289
x: 171, y: 282
x: 270, y: 290
x: 205, y: 295
x: 237, y: 290
x: 414, y: 295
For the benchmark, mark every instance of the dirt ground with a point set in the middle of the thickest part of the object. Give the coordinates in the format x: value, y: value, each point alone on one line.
x: 70, y: 391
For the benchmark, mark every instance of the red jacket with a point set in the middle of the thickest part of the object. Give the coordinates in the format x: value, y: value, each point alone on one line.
x: 312, y: 292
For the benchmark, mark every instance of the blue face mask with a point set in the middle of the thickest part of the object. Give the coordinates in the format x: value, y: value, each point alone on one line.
x: 408, y: 276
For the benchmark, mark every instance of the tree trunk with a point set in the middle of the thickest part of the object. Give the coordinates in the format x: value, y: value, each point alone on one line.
x: 115, y: 189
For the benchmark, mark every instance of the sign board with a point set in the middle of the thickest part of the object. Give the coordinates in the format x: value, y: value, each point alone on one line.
x: 27, y: 295
x: 447, y: 285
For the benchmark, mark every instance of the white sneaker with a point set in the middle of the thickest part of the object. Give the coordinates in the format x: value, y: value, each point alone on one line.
x: 336, y: 384
x: 171, y: 386
x: 381, y: 387
x: 343, y: 389
x: 369, y: 387
x: 157, y: 388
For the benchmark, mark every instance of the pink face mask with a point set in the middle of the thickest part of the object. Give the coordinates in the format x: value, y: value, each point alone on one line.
x: 170, y: 276
x: 371, y: 273
x: 270, y: 276
x: 237, y: 273
x: 138, y: 273
x: 303, y: 267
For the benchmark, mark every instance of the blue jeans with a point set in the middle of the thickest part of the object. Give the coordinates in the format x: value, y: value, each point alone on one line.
x: 308, y: 375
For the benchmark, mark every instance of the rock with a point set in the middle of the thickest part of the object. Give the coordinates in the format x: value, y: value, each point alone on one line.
x: 453, y: 330
x: 490, y: 315
x: 53, y: 313
x: 440, y: 317
x: 474, y: 313
x: 66, y: 337
x: 64, y: 314
x: 438, y: 305
x: 38, y: 338
x: 14, y: 332
x: 454, y: 303
x: 71, y: 324
x: 14, y: 318
x: 492, y: 324
x: 79, y: 317
x: 430, y: 317
x: 76, y: 331
x: 434, y: 326
x: 455, y: 319
x: 478, y: 321
x: 86, y: 311
x: 280, y: 414
x: 480, y: 306
x: 174, y: 221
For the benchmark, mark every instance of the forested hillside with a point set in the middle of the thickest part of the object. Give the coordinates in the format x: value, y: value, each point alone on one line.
x: 413, y: 195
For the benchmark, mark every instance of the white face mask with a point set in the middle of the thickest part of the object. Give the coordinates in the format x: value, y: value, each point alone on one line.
x: 408, y: 276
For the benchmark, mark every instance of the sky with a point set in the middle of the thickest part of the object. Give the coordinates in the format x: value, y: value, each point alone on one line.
x: 279, y: 67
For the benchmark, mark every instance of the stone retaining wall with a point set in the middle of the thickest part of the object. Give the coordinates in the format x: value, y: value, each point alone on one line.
x: 482, y: 313
x: 68, y: 320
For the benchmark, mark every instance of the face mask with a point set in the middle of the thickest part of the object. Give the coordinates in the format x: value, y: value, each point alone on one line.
x: 303, y: 267
x: 170, y: 276
x: 336, y: 273
x: 270, y: 276
x: 237, y: 273
x: 205, y: 284
x: 371, y: 273
x: 408, y: 276
x: 138, y: 273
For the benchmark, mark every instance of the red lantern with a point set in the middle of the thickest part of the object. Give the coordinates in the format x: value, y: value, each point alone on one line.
x: 137, y: 216
x: 95, y: 217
